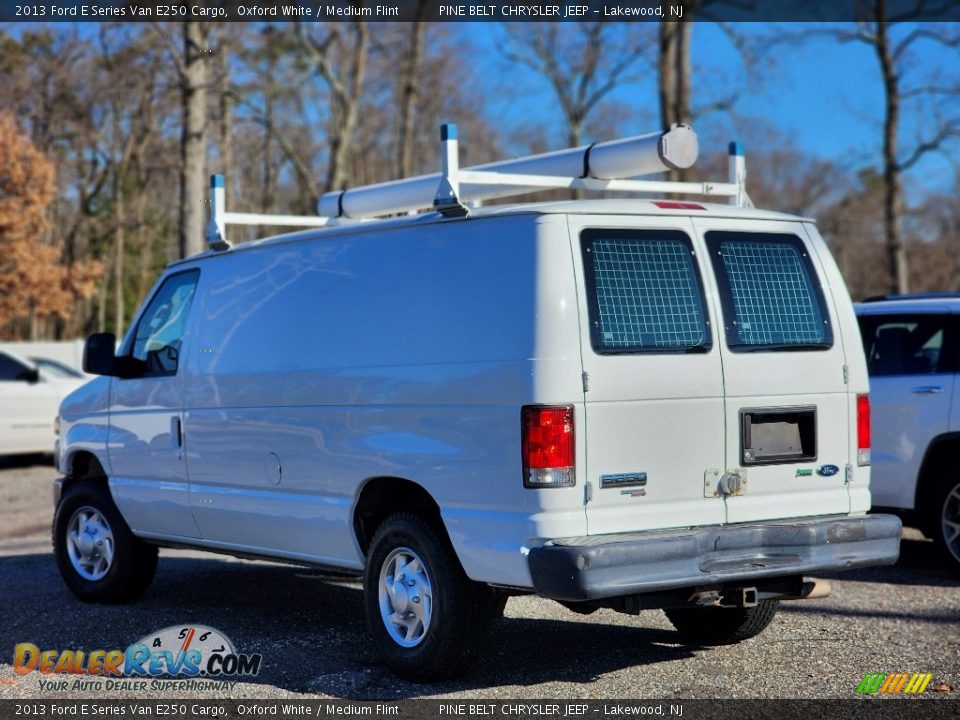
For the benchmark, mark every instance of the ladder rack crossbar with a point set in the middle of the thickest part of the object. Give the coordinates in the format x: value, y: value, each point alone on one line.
x: 552, y: 181
x: 234, y: 218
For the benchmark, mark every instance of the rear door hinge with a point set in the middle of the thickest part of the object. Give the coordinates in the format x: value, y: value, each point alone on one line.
x: 848, y: 476
x: 587, y: 493
x: 586, y: 381
x: 846, y: 375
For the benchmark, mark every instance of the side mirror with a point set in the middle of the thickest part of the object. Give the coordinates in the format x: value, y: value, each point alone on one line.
x: 98, y: 354
x: 29, y: 376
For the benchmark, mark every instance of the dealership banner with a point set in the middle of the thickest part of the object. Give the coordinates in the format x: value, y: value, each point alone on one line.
x: 475, y: 10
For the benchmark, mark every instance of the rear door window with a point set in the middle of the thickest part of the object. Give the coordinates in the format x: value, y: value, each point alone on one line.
x: 644, y: 292
x: 907, y: 344
x: 769, y: 291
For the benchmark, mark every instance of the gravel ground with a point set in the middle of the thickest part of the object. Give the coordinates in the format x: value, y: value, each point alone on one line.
x: 310, y: 629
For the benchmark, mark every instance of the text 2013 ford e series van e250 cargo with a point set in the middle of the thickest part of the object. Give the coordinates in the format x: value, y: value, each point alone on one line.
x: 629, y: 403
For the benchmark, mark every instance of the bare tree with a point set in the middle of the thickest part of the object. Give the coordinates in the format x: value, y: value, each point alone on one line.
x: 409, y: 86
x: 191, y: 62
x: 582, y: 63
x: 892, y: 52
x: 339, y: 56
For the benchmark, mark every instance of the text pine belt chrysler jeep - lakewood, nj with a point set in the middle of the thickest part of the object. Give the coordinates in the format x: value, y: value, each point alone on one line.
x: 627, y: 403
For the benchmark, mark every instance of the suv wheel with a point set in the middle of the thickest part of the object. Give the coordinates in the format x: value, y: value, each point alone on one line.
x: 98, y: 557
x: 946, y: 522
x: 427, y: 618
x: 720, y: 625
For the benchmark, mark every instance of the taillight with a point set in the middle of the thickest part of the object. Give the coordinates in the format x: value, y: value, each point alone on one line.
x: 547, y: 441
x: 863, y: 429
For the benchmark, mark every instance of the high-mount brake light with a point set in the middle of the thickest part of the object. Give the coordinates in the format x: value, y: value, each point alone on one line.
x: 547, y: 441
x: 677, y: 205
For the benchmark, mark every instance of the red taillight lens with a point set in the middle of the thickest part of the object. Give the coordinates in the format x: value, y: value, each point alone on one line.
x: 863, y: 429
x: 547, y: 440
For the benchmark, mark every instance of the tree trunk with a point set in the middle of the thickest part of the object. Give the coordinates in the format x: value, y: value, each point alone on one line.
x: 118, y: 239
x: 892, y: 181
x: 349, y: 105
x: 409, y: 90
x: 193, y: 142
x: 666, y: 68
x: 682, y: 77
x: 226, y: 123
x: 674, y: 79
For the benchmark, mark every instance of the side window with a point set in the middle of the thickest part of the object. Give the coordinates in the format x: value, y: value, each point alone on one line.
x: 12, y: 370
x: 644, y: 292
x: 905, y: 344
x: 160, y: 330
x: 769, y: 291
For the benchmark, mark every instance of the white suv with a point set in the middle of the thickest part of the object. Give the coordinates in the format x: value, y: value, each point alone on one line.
x: 912, y: 344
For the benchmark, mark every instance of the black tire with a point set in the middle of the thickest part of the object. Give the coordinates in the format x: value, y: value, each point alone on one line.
x: 722, y: 626
x: 133, y: 562
x: 943, y: 522
x: 459, y: 609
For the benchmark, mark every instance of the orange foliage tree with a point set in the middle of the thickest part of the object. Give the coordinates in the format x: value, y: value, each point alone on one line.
x: 34, y: 284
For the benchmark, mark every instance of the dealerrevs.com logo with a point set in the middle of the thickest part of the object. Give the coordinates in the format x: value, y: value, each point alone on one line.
x: 179, y: 651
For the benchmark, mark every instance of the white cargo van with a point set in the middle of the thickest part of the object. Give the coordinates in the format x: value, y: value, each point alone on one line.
x: 611, y: 403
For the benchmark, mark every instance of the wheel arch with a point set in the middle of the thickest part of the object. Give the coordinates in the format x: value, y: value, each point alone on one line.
x: 85, y: 465
x: 380, y: 497
x: 941, y: 450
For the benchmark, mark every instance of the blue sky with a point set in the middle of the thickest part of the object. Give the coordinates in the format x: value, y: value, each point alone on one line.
x: 825, y: 96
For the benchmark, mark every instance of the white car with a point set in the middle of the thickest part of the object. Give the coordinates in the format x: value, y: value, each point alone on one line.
x: 30, y: 398
x: 626, y: 404
x: 912, y: 344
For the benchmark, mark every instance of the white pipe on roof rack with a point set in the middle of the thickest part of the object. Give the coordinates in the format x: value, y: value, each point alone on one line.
x: 654, y: 152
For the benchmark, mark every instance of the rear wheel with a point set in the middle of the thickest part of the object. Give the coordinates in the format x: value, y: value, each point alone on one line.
x: 720, y: 625
x: 944, y: 522
x: 99, y: 559
x: 426, y: 617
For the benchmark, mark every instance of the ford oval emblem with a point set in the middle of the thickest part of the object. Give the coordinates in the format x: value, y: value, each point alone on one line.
x: 827, y: 470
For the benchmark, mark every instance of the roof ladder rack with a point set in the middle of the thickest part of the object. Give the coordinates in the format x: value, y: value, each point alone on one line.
x: 605, y: 167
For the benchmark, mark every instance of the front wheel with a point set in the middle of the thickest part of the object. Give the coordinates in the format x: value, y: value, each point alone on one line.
x: 427, y: 618
x: 99, y: 559
x: 720, y: 625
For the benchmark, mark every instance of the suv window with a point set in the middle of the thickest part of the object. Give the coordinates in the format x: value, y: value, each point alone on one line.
x: 160, y: 330
x: 11, y: 369
x: 643, y: 291
x: 770, y: 300
x: 905, y: 344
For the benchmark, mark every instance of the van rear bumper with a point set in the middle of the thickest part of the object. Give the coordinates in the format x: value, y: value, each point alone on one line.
x: 601, y: 566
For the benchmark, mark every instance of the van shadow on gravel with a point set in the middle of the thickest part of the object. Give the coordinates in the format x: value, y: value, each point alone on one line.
x: 308, y: 626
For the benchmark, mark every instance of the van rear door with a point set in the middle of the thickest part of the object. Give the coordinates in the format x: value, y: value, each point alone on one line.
x: 653, y: 382
x: 787, y: 403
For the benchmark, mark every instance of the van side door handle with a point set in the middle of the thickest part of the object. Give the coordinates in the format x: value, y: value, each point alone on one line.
x: 927, y: 390
x: 176, y: 434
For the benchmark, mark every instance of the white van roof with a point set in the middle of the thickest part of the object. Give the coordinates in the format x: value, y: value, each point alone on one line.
x: 631, y: 206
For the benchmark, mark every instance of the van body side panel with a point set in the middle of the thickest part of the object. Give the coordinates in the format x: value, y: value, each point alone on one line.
x: 654, y: 418
x: 858, y: 381
x: 492, y: 533
x: 761, y: 383
x: 402, y: 353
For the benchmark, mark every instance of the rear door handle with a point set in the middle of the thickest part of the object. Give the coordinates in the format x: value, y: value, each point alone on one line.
x: 927, y: 390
